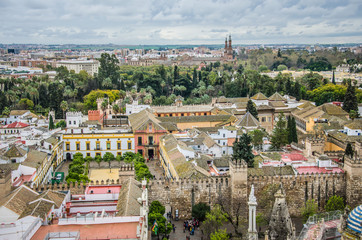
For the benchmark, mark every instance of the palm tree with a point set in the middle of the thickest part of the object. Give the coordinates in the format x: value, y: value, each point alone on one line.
x: 64, y: 106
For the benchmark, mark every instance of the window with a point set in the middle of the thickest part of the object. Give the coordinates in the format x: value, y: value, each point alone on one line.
x: 218, y: 141
x: 88, y: 145
x: 139, y: 140
x: 119, y: 153
x: 67, y: 146
x: 129, y: 145
x: 118, y: 145
x: 74, y: 122
x: 150, y: 127
x: 77, y: 144
x: 150, y: 140
x: 70, y: 122
x: 140, y: 151
x: 223, y: 135
x: 182, y: 114
x: 108, y: 145
x: 269, y: 119
x: 88, y: 154
x: 98, y: 146
x: 223, y: 143
x: 263, y: 119
x: 232, y: 131
x: 98, y: 154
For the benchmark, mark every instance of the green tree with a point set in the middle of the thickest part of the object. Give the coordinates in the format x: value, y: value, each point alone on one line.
x: 257, y: 138
x: 51, y: 123
x: 109, y: 69
x: 6, y: 111
x: 157, y: 207
x: 25, y: 104
x: 98, y: 160
x: 115, y: 108
x: 250, y: 107
x: 64, y: 107
x: 279, y: 136
x: 335, y: 203
x: 292, y: 130
x: 220, y: 234
x: 242, y: 150
x: 353, y: 114
x: 310, y: 209
x: 349, y: 150
x: 282, y: 67
x: 108, y: 157
x: 61, y: 124
x: 214, y: 220
x: 350, y: 100
x: 199, y: 211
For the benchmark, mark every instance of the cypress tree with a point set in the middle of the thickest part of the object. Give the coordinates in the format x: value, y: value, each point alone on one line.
x: 349, y: 150
x: 350, y: 99
x: 333, y: 79
x: 250, y: 107
x: 294, y: 127
x: 51, y: 123
x: 290, y: 130
x: 242, y: 150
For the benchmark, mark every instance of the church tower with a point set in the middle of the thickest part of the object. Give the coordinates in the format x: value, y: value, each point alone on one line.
x: 228, y: 50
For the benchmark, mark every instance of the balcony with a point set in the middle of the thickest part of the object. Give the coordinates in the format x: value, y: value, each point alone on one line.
x: 149, y: 144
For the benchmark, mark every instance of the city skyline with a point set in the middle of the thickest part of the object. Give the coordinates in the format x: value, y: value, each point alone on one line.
x: 181, y: 22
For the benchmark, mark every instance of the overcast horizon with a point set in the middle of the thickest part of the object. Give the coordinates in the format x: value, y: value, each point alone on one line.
x: 166, y: 22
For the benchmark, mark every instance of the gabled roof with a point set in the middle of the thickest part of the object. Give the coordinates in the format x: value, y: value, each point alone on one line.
x: 15, y: 152
x: 56, y: 197
x: 248, y: 120
x: 277, y: 104
x: 207, y: 140
x: 34, y: 158
x: 259, y: 96
x: 305, y: 105
x: 140, y: 121
x: 333, y: 110
x: 17, y: 200
x: 355, y: 124
x: 38, y: 208
x: 16, y: 125
x: 276, y: 97
x: 18, y: 112
x: 128, y: 204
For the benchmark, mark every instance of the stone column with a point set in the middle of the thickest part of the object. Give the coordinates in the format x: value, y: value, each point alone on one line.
x: 252, y: 232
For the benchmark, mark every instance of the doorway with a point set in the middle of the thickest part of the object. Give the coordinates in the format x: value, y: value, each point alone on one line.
x: 150, y: 153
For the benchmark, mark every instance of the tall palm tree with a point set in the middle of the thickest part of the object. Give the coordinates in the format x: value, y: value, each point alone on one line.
x: 64, y: 107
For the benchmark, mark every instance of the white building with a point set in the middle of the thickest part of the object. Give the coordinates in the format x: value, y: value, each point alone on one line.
x: 90, y: 66
x: 135, y: 107
x: 74, y: 119
x: 354, y: 128
x: 97, y: 142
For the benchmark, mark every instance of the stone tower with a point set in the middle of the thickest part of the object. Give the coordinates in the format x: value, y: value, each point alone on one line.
x: 252, y: 232
x: 280, y: 225
x: 353, y: 168
x: 239, y: 179
x: 125, y: 173
x: 5, y: 180
x: 314, y: 145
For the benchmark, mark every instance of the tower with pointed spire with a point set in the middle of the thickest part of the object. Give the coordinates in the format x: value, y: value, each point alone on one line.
x: 228, y: 50
x: 252, y: 232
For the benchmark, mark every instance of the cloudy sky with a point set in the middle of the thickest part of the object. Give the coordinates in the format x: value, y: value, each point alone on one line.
x: 180, y: 21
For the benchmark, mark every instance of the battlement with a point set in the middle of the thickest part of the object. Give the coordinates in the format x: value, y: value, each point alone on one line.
x: 206, y: 182
x: 314, y: 140
x: 238, y: 165
x: 74, y: 114
x: 301, y: 178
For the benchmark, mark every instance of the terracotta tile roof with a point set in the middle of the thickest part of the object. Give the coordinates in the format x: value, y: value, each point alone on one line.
x: 38, y: 208
x: 182, y: 109
x: 56, y: 197
x: 259, y: 96
x: 18, y: 112
x: 333, y: 110
x: 355, y: 124
x: 169, y: 126
x: 221, y: 162
x: 207, y: 140
x: 202, y: 161
x: 140, y: 121
x: 276, y: 104
x: 248, y: 120
x: 128, y: 204
x: 15, y: 152
x: 305, y: 105
x: 16, y: 125
x: 17, y: 200
x: 205, y: 118
x: 34, y: 158
x: 51, y: 140
x: 276, y: 97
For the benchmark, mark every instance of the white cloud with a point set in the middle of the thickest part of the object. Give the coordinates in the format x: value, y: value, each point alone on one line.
x: 180, y: 21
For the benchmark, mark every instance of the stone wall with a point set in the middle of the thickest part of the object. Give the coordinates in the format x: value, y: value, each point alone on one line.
x: 182, y: 194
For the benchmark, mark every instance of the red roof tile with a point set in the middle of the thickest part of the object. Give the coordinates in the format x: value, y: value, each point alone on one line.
x: 305, y: 170
x: 294, y: 157
x: 16, y: 125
